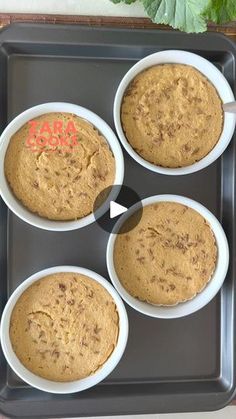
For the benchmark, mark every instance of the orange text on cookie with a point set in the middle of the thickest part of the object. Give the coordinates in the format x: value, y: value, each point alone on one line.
x: 44, y: 134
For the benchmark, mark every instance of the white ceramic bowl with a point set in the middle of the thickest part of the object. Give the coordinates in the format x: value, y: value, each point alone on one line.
x: 201, y: 299
x: 206, y: 68
x: 16, y: 206
x: 59, y: 387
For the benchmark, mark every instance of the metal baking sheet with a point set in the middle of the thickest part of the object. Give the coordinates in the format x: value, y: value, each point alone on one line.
x: 177, y: 365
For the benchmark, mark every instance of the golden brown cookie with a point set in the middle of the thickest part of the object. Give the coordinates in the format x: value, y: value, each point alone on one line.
x: 168, y: 257
x: 59, y: 182
x: 172, y: 115
x: 64, y: 327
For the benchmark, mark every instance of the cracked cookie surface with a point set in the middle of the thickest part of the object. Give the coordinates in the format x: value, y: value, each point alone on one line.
x: 172, y: 115
x: 168, y: 257
x: 59, y: 182
x: 64, y: 327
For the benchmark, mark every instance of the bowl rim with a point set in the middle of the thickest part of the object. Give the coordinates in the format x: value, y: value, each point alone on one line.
x: 212, y: 287
x: 211, y: 72
x: 16, y: 206
x: 53, y: 386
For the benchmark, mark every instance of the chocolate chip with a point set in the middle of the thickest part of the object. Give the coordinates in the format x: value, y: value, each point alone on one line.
x: 141, y: 259
x: 56, y: 353
x: 97, y: 329
x: 84, y: 343
x: 62, y: 287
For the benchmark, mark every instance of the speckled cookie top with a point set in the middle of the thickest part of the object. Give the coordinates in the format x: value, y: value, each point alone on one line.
x: 168, y: 257
x: 172, y: 115
x: 64, y: 327
x: 59, y: 182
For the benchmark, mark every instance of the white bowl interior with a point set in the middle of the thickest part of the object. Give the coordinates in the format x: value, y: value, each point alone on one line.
x: 15, y: 205
x: 212, y: 73
x: 67, y: 387
x: 201, y: 299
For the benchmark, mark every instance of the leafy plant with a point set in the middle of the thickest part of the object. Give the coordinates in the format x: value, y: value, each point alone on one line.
x: 221, y: 11
x: 188, y: 15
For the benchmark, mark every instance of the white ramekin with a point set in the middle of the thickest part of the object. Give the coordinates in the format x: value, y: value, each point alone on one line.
x: 216, y: 78
x: 67, y: 387
x: 201, y: 299
x: 16, y: 206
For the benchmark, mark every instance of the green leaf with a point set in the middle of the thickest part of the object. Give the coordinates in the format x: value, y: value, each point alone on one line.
x: 123, y: 1
x: 221, y: 11
x: 186, y: 15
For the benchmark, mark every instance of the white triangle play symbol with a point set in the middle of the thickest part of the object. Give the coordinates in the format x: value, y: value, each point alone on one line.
x: 116, y: 209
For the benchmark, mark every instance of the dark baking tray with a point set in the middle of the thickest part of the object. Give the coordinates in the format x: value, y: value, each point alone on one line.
x: 177, y: 365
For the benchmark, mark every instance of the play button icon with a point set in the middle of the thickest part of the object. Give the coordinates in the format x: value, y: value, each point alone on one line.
x: 118, y: 200
x: 116, y: 209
